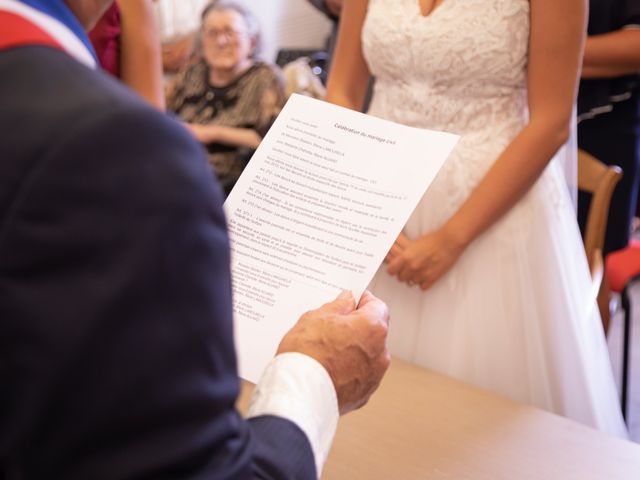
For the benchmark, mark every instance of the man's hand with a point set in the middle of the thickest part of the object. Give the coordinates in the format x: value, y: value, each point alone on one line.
x: 349, y: 342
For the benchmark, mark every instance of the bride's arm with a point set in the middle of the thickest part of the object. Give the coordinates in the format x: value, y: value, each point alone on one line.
x: 349, y: 74
x: 555, y: 50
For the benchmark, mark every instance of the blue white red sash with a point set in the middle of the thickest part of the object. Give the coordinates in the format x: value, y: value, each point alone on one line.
x: 22, y: 25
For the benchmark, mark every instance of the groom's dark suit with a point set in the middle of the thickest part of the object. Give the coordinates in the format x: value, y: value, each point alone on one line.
x: 116, y: 351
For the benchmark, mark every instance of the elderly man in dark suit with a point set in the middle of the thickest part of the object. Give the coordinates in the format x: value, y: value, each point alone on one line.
x: 116, y: 349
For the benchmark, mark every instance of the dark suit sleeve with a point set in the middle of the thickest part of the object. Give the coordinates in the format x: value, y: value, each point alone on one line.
x: 630, y: 12
x: 116, y: 332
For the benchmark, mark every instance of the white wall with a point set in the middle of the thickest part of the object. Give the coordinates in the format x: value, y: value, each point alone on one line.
x: 289, y: 24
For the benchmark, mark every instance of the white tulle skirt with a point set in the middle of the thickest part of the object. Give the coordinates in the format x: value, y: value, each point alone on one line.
x: 513, y: 314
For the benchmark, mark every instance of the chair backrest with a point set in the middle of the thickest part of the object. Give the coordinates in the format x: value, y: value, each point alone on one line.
x: 600, y: 180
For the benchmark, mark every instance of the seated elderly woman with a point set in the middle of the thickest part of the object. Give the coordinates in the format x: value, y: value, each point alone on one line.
x: 228, y: 99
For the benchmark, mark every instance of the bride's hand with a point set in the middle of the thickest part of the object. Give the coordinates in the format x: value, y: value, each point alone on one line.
x: 423, y: 261
x: 397, y: 248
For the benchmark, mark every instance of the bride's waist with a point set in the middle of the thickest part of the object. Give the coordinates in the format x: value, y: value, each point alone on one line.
x: 459, y: 112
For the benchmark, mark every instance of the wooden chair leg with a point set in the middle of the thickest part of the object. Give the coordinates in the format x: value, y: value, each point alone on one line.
x: 604, y: 301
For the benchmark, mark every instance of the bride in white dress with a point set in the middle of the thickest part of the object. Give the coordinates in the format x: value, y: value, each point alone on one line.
x: 489, y: 281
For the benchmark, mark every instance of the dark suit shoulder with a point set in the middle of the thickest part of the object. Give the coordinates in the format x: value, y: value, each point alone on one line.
x: 116, y: 345
x: 56, y: 110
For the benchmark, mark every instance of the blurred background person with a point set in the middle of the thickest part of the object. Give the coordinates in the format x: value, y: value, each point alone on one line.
x: 127, y: 45
x: 229, y: 98
x: 609, y: 108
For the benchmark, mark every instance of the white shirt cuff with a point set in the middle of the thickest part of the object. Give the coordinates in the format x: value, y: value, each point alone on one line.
x: 297, y: 387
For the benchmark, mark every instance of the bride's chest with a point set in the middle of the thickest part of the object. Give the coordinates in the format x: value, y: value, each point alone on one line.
x: 459, y: 37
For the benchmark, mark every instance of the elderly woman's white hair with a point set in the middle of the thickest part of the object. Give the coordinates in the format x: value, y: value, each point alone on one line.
x: 253, y: 25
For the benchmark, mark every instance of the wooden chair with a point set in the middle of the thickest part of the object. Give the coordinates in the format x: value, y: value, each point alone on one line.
x: 600, y: 180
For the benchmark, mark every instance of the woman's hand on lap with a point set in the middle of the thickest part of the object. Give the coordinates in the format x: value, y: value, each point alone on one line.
x: 203, y: 133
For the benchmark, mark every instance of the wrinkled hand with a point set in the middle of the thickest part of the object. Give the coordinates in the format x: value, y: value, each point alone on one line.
x: 423, y: 261
x: 349, y: 342
x: 398, y: 247
x: 203, y: 133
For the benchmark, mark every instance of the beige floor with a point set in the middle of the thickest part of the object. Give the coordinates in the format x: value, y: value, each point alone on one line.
x: 615, y: 349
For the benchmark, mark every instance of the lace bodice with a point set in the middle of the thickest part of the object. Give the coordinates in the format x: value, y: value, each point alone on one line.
x: 457, y: 69
x: 462, y: 69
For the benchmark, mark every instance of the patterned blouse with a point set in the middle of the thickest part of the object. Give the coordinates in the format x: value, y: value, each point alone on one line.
x: 253, y: 101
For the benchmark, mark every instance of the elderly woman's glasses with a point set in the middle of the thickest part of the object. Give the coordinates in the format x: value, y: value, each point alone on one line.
x: 227, y: 34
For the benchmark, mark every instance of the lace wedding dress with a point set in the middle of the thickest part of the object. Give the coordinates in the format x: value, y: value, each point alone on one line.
x: 513, y: 314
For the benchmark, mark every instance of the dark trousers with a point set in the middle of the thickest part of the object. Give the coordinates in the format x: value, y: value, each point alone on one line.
x: 614, y: 138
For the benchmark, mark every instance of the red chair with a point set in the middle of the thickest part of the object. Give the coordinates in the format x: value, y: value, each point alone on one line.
x: 622, y: 269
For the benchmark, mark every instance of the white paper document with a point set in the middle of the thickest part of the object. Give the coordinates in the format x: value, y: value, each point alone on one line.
x: 316, y: 211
